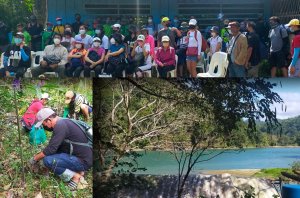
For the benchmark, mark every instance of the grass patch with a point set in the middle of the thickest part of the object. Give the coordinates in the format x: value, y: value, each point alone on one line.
x: 272, y: 173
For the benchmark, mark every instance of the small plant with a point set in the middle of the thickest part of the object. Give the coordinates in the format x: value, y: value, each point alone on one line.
x: 250, y: 193
x: 296, y: 166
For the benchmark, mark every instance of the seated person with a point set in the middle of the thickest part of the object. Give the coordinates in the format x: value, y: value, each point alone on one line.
x: 116, y: 56
x: 165, y: 58
x: 78, y: 105
x: 94, y: 59
x: 76, y: 60
x: 69, y: 152
x: 17, y: 57
x: 54, y: 60
x: 141, y: 56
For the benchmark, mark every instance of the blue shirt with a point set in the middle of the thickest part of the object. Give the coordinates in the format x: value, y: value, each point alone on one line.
x: 115, y: 48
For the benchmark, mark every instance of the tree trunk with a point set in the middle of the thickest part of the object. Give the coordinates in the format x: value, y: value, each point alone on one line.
x: 40, y: 10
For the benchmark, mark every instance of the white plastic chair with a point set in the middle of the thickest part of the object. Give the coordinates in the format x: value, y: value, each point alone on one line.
x: 2, y: 60
x: 202, y: 64
x: 219, y: 59
x: 174, y: 72
x: 40, y: 55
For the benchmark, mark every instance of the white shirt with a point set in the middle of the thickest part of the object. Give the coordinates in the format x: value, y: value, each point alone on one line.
x: 87, y: 40
x: 148, y: 61
x: 193, y: 42
x: 105, y: 42
x: 214, y: 42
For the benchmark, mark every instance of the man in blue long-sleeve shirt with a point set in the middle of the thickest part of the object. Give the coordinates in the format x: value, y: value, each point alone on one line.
x: 294, y: 70
x: 17, y: 57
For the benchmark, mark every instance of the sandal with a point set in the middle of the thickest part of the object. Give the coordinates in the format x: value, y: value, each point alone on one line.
x: 72, y: 185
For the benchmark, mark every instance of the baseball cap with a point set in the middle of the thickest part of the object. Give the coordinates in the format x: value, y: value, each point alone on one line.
x: 236, y: 24
x: 141, y: 37
x: 42, y: 115
x: 215, y: 29
x: 184, y: 25
x: 69, y: 95
x: 45, y: 96
x: 79, y: 41
x: 58, y: 18
x: 116, y: 25
x: 165, y: 39
x: 20, y: 34
x: 165, y: 19
x: 293, y: 22
x: 193, y: 22
x: 96, y: 39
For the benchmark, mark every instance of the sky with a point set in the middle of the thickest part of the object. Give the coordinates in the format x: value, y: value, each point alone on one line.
x: 290, y: 93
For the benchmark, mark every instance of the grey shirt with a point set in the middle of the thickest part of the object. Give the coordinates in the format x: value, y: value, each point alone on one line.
x: 276, y: 36
x: 170, y: 33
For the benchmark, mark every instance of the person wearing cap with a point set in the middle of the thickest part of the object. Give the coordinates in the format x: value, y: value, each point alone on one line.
x: 294, y: 69
x: 35, y: 30
x: 76, y: 25
x: 99, y: 33
x: 94, y: 59
x: 47, y: 35
x: 181, y: 49
x: 225, y: 35
x: 253, y: 54
x: 59, y: 28
x: 27, y: 37
x: 215, y: 41
x: 194, y: 45
x: 116, y: 28
x: 165, y: 58
x: 86, y: 39
x: 149, y: 39
x: 116, y: 56
x: 68, y: 154
x: 76, y: 60
x: 17, y: 57
x: 54, y: 60
x: 78, y: 105
x: 160, y: 25
x: 29, y: 117
x: 141, y: 55
x: 237, y: 51
x: 172, y: 33
x: 68, y: 41
x: 279, y: 49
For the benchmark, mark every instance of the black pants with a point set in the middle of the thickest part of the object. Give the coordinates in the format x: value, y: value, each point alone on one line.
x: 74, y: 71
x: 163, y: 71
x: 97, y: 69
x: 20, y: 71
x: 115, y: 70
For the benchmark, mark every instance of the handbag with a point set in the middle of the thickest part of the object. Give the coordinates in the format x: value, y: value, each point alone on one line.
x: 192, y: 51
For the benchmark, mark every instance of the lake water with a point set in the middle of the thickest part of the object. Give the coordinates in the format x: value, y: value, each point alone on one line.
x: 161, y: 162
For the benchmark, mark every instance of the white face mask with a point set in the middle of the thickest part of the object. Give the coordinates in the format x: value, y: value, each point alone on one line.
x: 98, y: 31
x: 149, y: 20
x: 96, y: 44
x: 82, y: 32
x: 112, y: 41
x: 56, y: 41
x: 68, y: 30
x: 78, y: 46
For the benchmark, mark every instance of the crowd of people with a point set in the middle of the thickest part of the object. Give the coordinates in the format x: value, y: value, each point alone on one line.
x: 69, y: 151
x: 118, y: 49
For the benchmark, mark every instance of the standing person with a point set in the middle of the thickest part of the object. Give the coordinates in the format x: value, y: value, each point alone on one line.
x: 172, y: 33
x: 27, y: 37
x: 194, y: 45
x: 215, y: 41
x: 176, y: 22
x: 181, y: 49
x: 47, y: 35
x: 294, y: 69
x: 35, y: 30
x: 59, y: 28
x: 29, y: 117
x: 4, y: 40
x: 237, y: 51
x: 54, y: 60
x: 165, y: 58
x: 94, y: 59
x: 253, y: 54
x: 279, y: 47
x: 78, y: 105
x: 76, y: 25
x: 17, y: 57
x: 160, y: 26
x: 151, y: 26
x: 99, y: 33
x: 262, y: 29
x: 107, y: 27
x: 130, y: 39
x: 225, y: 35
x: 69, y: 152
x: 116, y: 28
x: 76, y: 60
x: 84, y: 37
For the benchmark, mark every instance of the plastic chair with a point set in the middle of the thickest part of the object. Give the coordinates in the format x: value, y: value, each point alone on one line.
x: 174, y: 72
x: 219, y: 59
x: 40, y: 55
x: 2, y: 60
x: 203, y: 63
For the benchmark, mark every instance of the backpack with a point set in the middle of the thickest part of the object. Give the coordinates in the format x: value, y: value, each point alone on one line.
x: 204, y: 44
x: 87, y: 130
x: 286, y: 44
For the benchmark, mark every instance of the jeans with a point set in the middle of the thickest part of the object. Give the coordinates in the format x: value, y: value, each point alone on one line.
x: 237, y: 71
x: 59, y: 163
x: 20, y: 71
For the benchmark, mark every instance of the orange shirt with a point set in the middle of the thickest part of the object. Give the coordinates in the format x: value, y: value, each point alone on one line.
x: 83, y: 51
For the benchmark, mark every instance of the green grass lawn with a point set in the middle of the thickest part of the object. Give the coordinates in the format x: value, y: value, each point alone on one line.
x: 272, y: 173
x: 11, y: 169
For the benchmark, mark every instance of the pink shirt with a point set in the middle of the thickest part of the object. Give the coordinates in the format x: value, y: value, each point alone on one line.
x: 166, y: 57
x: 150, y: 39
x: 30, y: 115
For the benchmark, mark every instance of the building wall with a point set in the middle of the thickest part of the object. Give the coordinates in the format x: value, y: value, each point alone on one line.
x: 205, y: 11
